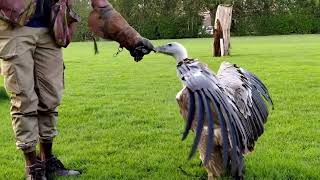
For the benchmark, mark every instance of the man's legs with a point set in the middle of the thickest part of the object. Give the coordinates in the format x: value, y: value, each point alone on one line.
x: 49, y: 86
x: 18, y: 70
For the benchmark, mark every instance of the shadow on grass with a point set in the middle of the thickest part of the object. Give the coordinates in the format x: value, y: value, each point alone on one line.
x: 3, y: 94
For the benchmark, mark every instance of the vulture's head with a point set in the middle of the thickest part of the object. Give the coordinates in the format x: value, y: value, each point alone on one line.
x: 177, y: 50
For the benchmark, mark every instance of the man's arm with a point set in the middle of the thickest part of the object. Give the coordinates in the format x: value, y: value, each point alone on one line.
x: 109, y: 24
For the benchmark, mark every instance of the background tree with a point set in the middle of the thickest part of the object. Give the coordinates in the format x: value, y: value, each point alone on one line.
x: 182, y: 18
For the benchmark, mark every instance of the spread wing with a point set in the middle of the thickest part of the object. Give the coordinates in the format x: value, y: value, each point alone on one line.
x: 208, y: 96
x: 249, y: 95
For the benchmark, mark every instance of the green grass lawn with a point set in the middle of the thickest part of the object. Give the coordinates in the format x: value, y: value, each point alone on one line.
x: 119, y: 119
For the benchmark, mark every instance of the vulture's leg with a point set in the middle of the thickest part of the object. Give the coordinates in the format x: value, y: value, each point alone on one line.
x: 215, y: 164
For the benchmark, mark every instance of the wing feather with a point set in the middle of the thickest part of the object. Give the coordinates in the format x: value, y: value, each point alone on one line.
x: 224, y: 131
x: 209, y: 116
x: 200, y: 122
x: 259, y: 85
x: 248, y: 94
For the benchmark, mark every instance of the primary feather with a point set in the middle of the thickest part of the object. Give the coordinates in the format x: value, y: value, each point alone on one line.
x: 231, y: 104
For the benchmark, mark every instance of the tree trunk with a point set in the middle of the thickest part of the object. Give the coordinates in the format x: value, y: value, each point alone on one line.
x: 222, y: 29
x: 218, y: 34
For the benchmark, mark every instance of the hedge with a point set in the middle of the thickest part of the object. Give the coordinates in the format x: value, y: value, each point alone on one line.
x: 170, y: 27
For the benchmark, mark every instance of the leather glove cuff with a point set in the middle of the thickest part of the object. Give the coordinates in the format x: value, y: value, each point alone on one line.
x: 109, y: 24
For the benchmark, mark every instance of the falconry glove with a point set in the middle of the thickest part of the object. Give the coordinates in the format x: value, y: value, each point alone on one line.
x: 107, y: 23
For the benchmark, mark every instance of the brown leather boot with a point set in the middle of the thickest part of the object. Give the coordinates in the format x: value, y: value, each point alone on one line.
x: 35, y: 169
x: 54, y: 166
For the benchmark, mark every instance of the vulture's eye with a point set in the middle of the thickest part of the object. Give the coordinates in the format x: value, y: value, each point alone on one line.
x: 170, y: 45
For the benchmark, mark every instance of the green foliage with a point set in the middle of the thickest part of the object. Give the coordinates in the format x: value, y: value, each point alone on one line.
x: 165, y: 19
x: 119, y: 119
x: 83, y: 8
x: 3, y: 94
x: 283, y: 17
x: 170, y: 19
x: 169, y: 27
x: 297, y: 23
x: 153, y: 19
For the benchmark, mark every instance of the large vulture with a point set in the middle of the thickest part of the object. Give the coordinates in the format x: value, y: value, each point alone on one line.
x: 227, y: 111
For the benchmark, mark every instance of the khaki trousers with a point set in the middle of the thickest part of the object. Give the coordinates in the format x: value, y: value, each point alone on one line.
x: 33, y: 71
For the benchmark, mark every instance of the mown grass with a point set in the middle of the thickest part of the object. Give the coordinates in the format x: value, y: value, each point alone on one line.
x: 119, y: 119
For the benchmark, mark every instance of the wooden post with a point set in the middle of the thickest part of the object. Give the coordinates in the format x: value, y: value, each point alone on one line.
x: 222, y: 30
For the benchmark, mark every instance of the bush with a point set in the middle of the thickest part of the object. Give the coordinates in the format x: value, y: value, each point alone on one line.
x: 279, y: 23
x: 188, y: 25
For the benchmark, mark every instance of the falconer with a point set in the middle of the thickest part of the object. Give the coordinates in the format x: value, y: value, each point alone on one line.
x: 32, y: 33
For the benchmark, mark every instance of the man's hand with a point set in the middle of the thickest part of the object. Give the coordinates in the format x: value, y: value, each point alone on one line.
x: 143, y: 47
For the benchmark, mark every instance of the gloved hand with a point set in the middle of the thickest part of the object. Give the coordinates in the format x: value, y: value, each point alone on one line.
x: 107, y: 23
x: 143, y: 47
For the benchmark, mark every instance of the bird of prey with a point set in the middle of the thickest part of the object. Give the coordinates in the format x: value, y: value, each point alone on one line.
x: 227, y: 111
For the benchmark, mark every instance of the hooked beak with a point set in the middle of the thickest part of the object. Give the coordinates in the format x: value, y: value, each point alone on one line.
x: 159, y: 49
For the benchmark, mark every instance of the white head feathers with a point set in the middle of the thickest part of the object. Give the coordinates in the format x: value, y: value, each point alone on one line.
x: 177, y: 50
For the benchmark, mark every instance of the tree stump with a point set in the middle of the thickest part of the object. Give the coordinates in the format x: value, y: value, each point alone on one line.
x: 218, y: 35
x: 222, y: 30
